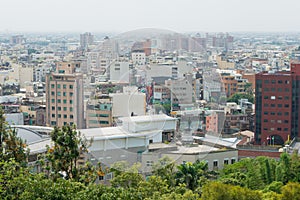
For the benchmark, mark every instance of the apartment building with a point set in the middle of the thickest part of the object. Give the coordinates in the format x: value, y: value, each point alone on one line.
x: 64, y: 96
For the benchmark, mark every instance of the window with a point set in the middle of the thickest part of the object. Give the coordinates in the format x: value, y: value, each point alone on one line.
x: 64, y: 86
x: 226, y: 162
x: 266, y: 113
x: 286, y: 121
x: 272, y: 113
x: 53, y: 100
x: 232, y: 160
x: 279, y: 113
x: 52, y: 85
x: 65, y: 108
x: 52, y: 93
x: 53, y: 108
x: 287, y: 89
x: 279, y: 129
x: 58, y: 93
x: 280, y: 81
x: 279, y: 97
x: 59, y: 115
x: 279, y: 105
x: 215, y: 163
x: 149, y: 163
x: 286, y: 98
x: 273, y: 97
x: 266, y: 81
x: 266, y: 97
x: 265, y: 120
x: 53, y: 115
x: 273, y: 81
x: 71, y: 86
x: 64, y: 94
x: 59, y: 108
x: 58, y: 101
x: 71, y: 94
x: 65, y: 116
x: 286, y: 105
x: 286, y: 129
x: 71, y: 101
x: 65, y: 100
x: 71, y: 117
x: 58, y: 85
x: 71, y: 109
x: 272, y: 105
x: 53, y: 123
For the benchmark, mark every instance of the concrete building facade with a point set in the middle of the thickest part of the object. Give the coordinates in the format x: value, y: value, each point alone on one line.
x: 64, y: 96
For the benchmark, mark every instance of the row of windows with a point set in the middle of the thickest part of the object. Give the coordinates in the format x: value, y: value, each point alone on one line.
x: 274, y: 97
x: 278, y: 129
x: 65, y: 116
x: 64, y: 86
x: 53, y: 123
x: 59, y: 93
x: 276, y: 89
x: 278, y: 105
x: 64, y: 101
x: 277, y: 121
x: 64, y: 108
x: 274, y: 81
x: 278, y: 113
x: 98, y: 115
x: 98, y: 122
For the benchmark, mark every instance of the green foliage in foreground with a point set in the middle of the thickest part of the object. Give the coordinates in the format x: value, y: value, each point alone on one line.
x: 17, y: 182
x: 261, y: 178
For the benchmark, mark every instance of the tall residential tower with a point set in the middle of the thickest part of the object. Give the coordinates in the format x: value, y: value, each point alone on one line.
x: 64, y: 96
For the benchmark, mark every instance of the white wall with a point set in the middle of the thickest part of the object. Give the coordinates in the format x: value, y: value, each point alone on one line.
x: 119, y: 72
x: 125, y: 104
x: 14, y: 118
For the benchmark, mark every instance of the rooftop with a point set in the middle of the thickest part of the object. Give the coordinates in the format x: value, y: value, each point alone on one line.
x: 146, y: 118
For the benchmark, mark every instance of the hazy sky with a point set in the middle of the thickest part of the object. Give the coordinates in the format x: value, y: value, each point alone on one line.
x: 126, y: 15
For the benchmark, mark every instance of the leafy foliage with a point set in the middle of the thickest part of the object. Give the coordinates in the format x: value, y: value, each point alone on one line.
x: 62, y: 157
x: 237, y: 96
x: 11, y: 146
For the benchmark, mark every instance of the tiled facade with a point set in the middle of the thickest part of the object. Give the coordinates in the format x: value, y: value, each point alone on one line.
x: 64, y: 96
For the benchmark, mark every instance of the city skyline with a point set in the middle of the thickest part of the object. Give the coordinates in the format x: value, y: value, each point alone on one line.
x: 122, y: 16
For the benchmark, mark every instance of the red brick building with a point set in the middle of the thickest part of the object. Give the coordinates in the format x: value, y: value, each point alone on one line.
x: 277, y: 106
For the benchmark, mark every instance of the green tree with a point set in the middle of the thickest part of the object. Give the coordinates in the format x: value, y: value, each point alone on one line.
x: 237, y: 96
x: 68, y: 145
x: 11, y: 146
x: 190, y: 173
x: 283, y: 169
x: 126, y: 176
x: 220, y: 191
x: 165, y: 168
x: 291, y: 191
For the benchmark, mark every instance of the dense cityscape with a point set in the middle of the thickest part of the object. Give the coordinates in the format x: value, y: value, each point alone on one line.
x: 184, y: 100
x: 141, y: 101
